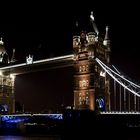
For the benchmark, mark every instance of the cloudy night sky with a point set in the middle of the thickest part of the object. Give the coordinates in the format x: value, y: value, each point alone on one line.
x: 45, y: 30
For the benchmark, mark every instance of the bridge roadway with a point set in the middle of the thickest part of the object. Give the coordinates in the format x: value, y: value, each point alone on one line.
x: 39, y: 65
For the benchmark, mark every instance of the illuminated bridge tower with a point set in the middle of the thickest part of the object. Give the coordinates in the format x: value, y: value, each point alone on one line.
x: 7, y: 99
x: 91, y: 84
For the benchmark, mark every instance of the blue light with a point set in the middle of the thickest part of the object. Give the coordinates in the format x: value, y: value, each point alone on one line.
x: 70, y: 115
x: 51, y: 116
x: 12, y: 121
x: 78, y: 114
x: 56, y: 116
x: 100, y: 102
x: 3, y: 108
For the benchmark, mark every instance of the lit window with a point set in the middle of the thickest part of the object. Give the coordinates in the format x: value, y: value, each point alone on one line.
x: 82, y: 99
x: 80, y: 83
x: 96, y: 68
x: 87, y: 67
x: 84, y: 68
x: 87, y: 83
x: 87, y: 100
x: 84, y: 83
x: 80, y: 69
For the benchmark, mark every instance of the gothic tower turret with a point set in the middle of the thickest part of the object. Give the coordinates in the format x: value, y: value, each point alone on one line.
x: 4, y: 59
x: 13, y: 59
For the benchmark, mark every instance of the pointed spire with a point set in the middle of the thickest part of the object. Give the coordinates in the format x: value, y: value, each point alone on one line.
x: 76, y: 28
x: 106, y: 34
x: 93, y: 23
x: 77, y: 24
x: 91, y: 16
x: 106, y: 41
x: 1, y: 41
x: 13, y: 56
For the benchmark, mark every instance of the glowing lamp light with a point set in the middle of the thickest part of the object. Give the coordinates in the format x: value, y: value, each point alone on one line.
x: 100, y: 102
x: 12, y: 76
x: 1, y: 42
x: 102, y: 74
x: 105, y: 42
x: 29, y: 60
x: 1, y: 73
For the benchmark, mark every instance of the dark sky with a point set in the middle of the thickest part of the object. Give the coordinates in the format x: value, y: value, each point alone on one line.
x: 46, y: 29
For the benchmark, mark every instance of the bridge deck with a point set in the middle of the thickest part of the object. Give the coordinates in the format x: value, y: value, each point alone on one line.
x: 44, y: 64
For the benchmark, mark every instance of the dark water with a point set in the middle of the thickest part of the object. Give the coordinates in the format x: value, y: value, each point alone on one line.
x: 28, y: 138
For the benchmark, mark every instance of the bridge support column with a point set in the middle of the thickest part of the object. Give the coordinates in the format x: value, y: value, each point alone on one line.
x: 107, y: 95
x: 7, y: 97
x: 124, y: 99
x: 135, y: 103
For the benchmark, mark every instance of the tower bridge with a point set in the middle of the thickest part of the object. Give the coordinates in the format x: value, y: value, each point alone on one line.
x: 97, y: 85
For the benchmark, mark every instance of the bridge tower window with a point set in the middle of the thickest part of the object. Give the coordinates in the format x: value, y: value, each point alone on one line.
x: 80, y: 68
x: 83, y: 98
x: 83, y: 83
x: 84, y: 68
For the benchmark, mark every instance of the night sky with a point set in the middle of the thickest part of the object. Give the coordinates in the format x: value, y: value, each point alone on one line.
x: 46, y: 30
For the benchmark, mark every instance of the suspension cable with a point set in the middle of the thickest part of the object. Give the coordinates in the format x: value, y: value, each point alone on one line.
x: 106, y: 68
x: 116, y: 73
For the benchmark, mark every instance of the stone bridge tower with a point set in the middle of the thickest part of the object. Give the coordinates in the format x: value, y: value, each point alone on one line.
x: 7, y: 98
x: 91, y: 84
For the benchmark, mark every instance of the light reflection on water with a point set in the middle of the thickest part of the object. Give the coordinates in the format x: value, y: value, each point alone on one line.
x: 26, y: 138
